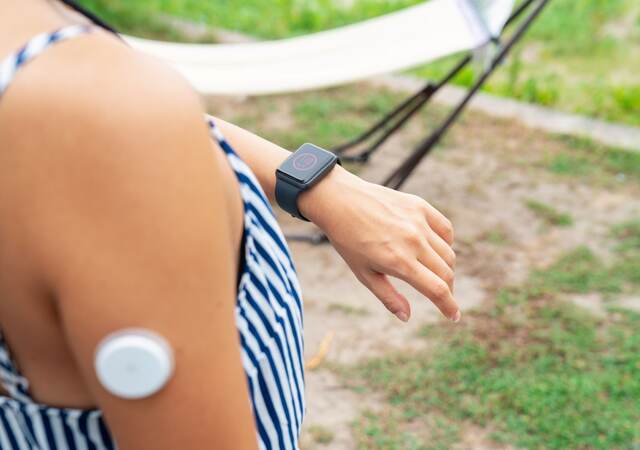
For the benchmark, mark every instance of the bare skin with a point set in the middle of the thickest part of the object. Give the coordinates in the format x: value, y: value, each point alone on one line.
x: 110, y: 187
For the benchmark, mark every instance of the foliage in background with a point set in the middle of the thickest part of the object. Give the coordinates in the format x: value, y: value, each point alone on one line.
x: 581, y: 56
x: 262, y: 18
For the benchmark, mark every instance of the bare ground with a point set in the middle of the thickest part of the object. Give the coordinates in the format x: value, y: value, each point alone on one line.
x: 481, y: 178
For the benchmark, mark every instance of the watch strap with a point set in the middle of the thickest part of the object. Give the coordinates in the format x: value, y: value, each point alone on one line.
x: 287, y: 197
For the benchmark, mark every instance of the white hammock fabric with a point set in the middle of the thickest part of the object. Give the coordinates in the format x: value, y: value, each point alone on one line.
x: 385, y: 44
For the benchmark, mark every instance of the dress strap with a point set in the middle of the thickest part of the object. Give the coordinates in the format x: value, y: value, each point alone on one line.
x: 36, y: 45
x: 11, y: 379
x: 216, y: 134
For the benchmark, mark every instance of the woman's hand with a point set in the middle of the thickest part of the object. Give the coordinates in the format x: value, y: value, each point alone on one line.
x: 381, y: 232
x: 378, y: 231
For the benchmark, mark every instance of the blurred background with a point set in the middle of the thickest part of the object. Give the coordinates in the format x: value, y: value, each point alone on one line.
x: 582, y: 56
x: 548, y: 236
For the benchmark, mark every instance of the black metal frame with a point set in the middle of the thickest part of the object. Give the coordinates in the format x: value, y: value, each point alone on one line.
x: 382, y: 130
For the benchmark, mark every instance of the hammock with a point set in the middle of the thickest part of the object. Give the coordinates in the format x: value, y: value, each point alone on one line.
x: 396, y: 41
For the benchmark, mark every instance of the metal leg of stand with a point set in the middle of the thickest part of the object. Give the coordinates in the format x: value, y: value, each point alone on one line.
x: 400, y: 175
x: 397, y: 118
x: 315, y: 238
x: 381, y: 124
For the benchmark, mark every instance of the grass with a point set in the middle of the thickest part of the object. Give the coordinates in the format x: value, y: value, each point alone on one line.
x: 336, y: 118
x: 548, y: 214
x: 347, y: 309
x: 496, y: 237
x: 320, y: 434
x: 261, y: 18
x: 318, y: 116
x: 579, y: 271
x: 628, y: 236
x: 579, y: 56
x: 574, y: 59
x: 390, y: 430
x: 327, y: 118
x: 141, y: 18
x: 534, y: 369
x: 585, y: 158
x: 628, y: 249
x: 564, y: 381
x: 582, y: 271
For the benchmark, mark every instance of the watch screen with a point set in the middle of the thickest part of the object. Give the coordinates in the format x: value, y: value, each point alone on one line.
x: 307, y: 162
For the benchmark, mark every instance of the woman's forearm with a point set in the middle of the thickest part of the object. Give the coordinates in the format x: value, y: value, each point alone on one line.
x: 378, y: 231
x: 262, y: 156
x: 265, y: 157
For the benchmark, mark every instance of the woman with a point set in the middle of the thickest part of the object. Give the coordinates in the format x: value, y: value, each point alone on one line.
x: 119, y: 210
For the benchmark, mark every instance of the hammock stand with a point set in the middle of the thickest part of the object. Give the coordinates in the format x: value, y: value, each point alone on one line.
x: 391, y: 123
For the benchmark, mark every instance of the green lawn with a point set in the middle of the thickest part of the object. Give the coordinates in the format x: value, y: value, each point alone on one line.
x: 581, y: 56
x: 534, y: 369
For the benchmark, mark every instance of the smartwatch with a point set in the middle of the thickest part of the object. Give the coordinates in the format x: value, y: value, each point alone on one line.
x: 301, y: 170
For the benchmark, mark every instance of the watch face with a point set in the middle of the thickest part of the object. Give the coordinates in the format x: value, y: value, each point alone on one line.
x: 307, y: 162
x: 304, y: 161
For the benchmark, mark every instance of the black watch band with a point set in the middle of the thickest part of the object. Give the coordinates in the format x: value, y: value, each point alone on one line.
x: 287, y: 197
x: 300, y: 171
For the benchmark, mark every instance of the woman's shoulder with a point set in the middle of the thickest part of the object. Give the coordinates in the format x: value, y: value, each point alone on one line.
x: 92, y: 110
x: 96, y: 82
x: 96, y: 126
x: 92, y: 94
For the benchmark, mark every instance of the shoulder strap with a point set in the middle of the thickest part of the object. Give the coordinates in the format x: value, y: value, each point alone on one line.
x: 37, y: 45
x: 11, y: 379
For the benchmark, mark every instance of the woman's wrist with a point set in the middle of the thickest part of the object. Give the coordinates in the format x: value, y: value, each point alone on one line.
x: 319, y: 202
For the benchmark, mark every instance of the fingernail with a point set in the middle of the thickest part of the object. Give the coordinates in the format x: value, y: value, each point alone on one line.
x: 402, y: 316
x: 456, y: 317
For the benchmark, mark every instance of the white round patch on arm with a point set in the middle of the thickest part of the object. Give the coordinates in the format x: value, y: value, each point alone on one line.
x: 134, y: 363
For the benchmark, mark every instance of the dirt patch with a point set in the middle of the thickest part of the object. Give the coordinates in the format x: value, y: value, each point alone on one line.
x: 591, y: 302
x: 631, y: 303
x: 332, y: 406
x: 476, y: 438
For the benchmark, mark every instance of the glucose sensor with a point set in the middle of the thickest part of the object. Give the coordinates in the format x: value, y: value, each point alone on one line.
x: 134, y: 363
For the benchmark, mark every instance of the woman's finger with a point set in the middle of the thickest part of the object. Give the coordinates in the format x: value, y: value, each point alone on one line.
x: 436, y: 264
x: 439, y: 223
x: 382, y: 288
x: 442, y: 248
x: 434, y: 288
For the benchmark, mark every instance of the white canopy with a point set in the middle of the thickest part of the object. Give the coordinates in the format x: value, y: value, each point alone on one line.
x: 385, y: 44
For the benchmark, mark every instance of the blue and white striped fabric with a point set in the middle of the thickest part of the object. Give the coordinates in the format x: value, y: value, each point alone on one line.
x: 33, y: 48
x: 268, y: 317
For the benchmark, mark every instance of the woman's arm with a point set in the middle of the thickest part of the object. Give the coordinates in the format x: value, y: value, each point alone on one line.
x: 378, y: 231
x: 129, y: 227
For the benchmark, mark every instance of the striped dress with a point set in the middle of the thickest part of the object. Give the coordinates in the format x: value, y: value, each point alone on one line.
x: 268, y: 316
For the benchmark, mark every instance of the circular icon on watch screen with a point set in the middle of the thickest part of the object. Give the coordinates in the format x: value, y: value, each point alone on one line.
x: 305, y: 161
